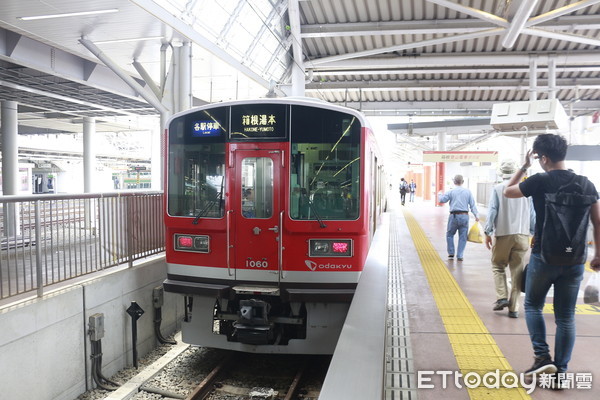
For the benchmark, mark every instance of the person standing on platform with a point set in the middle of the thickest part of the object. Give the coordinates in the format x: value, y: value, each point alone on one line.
x: 412, y: 187
x: 461, y: 200
x: 511, y: 221
x: 550, y: 150
x: 403, y: 190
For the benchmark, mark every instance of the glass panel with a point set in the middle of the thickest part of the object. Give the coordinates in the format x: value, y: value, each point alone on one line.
x: 257, y: 187
x: 325, y: 164
x: 197, y: 164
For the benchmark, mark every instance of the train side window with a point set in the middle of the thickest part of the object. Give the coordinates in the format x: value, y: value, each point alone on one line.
x: 257, y: 187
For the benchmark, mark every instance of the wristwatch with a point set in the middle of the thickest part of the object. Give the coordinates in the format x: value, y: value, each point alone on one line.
x: 523, y: 169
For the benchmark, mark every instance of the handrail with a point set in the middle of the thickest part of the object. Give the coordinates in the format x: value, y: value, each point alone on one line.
x: 51, y: 238
x: 280, y: 246
x: 228, y: 226
x: 61, y: 196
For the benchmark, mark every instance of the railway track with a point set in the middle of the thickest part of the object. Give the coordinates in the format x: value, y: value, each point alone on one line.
x: 195, y: 373
x: 257, y: 376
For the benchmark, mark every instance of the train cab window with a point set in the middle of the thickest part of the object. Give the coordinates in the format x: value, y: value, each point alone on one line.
x: 197, y: 165
x: 257, y: 187
x: 325, y: 164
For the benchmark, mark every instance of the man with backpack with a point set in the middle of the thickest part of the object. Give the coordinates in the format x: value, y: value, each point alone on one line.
x: 403, y: 190
x: 564, y: 203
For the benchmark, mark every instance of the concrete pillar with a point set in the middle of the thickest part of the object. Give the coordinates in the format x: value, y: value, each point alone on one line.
x: 298, y: 75
x: 440, y: 169
x: 10, y: 165
x: 533, y: 78
x: 10, y: 149
x: 552, y: 77
x: 89, y: 154
x: 523, y: 150
x: 175, y: 72
x: 156, y: 160
x: 185, y: 76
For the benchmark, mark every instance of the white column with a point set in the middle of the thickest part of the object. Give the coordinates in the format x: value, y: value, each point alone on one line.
x: 10, y: 165
x: 442, y: 141
x: 185, y: 76
x: 10, y: 148
x: 551, y: 77
x: 533, y: 78
x: 89, y: 154
x: 298, y: 76
x: 156, y: 160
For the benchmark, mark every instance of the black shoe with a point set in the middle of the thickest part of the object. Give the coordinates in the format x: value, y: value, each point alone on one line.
x: 500, y: 304
x: 513, y: 314
x: 460, y: 259
x: 541, y: 365
x: 450, y: 255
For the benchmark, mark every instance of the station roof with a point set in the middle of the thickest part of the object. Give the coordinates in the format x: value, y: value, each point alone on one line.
x: 384, y: 57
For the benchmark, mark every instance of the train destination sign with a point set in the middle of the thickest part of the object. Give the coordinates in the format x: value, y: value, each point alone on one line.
x: 258, y: 122
x: 206, y: 129
x: 460, y: 156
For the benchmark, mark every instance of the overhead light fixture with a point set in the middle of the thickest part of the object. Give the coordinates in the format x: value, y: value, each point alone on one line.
x: 128, y: 40
x: 73, y: 14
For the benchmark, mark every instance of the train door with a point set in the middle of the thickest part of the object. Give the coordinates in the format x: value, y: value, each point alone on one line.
x: 256, y: 217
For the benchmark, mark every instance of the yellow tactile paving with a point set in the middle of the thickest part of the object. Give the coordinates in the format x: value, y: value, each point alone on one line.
x: 473, y: 345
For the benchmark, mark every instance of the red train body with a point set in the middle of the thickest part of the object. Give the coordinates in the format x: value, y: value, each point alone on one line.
x: 270, y: 209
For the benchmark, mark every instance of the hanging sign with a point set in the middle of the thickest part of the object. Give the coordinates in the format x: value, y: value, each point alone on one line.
x: 460, y: 156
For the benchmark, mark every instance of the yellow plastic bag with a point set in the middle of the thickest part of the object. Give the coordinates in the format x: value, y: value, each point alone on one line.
x: 475, y: 235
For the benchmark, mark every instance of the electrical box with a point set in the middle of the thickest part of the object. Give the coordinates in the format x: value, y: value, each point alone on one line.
x: 158, y: 297
x: 529, y: 115
x: 96, y: 326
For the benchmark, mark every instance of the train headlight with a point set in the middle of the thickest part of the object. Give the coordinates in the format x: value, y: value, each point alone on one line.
x: 330, y: 247
x: 193, y: 243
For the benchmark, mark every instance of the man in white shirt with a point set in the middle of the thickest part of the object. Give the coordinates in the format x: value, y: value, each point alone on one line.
x: 511, y: 221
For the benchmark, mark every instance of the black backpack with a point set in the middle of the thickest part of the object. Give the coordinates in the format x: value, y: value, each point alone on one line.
x: 564, y: 233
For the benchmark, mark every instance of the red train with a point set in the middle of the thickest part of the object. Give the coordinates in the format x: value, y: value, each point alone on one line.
x: 270, y: 208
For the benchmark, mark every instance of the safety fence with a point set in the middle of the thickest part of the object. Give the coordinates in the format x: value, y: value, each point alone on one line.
x: 46, y: 239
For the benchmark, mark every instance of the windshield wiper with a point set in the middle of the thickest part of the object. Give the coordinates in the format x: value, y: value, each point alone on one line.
x: 218, y: 199
x: 314, y: 209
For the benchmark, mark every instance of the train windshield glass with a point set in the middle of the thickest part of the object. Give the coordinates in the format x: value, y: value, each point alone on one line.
x: 325, y: 164
x: 197, y: 164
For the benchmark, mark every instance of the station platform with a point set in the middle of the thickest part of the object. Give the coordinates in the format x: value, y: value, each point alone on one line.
x: 441, y: 326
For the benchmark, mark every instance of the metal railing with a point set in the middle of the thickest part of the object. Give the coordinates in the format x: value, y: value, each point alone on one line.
x: 46, y: 239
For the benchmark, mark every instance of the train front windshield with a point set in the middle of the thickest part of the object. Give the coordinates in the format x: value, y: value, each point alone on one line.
x: 324, y: 162
x: 197, y: 165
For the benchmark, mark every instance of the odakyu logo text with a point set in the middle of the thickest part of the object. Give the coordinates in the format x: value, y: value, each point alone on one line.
x: 313, y: 266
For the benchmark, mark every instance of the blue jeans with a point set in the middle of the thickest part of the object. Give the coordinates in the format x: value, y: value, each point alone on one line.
x: 460, y: 223
x: 566, y: 281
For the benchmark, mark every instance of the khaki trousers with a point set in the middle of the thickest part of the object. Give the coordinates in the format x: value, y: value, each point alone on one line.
x: 509, y: 251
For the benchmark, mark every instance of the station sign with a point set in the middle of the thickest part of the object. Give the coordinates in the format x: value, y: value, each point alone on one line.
x: 460, y: 156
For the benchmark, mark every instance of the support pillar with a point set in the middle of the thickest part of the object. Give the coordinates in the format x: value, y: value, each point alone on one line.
x: 440, y: 169
x: 89, y: 154
x: 552, y: 77
x: 156, y: 161
x: 89, y: 165
x: 298, y: 75
x: 10, y: 148
x: 533, y: 78
x: 185, y: 76
x: 10, y: 165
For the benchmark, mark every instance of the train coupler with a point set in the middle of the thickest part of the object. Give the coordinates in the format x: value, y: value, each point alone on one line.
x: 253, y: 326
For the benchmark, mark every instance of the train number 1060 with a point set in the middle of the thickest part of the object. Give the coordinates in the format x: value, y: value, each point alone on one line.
x: 257, y: 264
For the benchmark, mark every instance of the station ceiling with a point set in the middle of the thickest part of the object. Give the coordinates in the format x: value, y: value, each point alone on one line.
x: 384, y: 57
